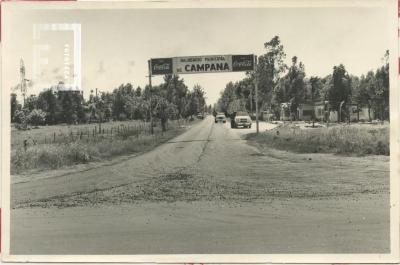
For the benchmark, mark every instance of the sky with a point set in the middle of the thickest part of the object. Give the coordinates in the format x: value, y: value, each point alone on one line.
x: 116, y: 44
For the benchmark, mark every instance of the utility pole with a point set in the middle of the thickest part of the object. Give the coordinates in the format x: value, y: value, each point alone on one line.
x: 326, y: 108
x: 256, y: 94
x: 151, y: 110
x: 251, y: 101
x: 23, y: 79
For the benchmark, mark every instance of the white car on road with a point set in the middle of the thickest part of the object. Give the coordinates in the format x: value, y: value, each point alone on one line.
x: 240, y: 119
x: 220, y: 117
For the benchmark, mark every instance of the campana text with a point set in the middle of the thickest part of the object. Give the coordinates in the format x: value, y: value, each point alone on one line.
x: 207, y: 67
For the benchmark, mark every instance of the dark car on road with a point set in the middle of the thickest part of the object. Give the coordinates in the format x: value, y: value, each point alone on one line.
x: 240, y: 119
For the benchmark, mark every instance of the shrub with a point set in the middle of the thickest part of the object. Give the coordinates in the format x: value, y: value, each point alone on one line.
x: 341, y: 140
x: 122, y: 117
x: 36, y: 117
x: 85, y: 118
x: 74, y: 119
x: 19, y: 116
x: 20, y: 119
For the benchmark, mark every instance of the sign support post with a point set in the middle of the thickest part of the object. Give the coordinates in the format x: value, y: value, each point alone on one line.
x: 151, y: 101
x: 256, y: 90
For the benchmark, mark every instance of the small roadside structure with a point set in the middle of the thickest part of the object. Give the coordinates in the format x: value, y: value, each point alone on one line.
x: 306, y: 111
x: 285, y: 112
x: 321, y: 111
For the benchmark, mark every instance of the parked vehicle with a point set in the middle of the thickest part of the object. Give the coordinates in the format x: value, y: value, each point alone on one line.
x: 240, y: 119
x: 220, y: 117
x: 200, y: 116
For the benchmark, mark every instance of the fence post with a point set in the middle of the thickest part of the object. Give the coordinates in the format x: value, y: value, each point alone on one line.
x: 54, y: 137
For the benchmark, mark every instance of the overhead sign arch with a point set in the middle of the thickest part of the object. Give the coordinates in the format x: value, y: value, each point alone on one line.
x: 206, y: 64
x: 202, y: 64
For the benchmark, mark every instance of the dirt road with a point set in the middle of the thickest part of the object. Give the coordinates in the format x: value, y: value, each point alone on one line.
x: 208, y: 191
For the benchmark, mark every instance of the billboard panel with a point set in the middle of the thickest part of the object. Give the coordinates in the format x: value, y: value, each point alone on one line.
x: 161, y: 66
x: 242, y: 63
x: 202, y: 64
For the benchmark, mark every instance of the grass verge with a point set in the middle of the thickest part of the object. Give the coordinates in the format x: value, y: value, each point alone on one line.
x: 78, y: 151
x: 346, y: 140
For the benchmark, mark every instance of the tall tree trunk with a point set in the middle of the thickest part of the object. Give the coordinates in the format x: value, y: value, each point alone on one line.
x: 338, y: 114
x: 164, y: 124
x: 369, y: 113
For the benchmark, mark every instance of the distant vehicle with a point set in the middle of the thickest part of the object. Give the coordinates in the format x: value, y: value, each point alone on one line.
x: 200, y: 116
x: 220, y: 117
x: 240, y: 119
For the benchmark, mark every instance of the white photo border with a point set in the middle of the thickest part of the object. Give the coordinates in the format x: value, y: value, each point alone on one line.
x: 393, y: 257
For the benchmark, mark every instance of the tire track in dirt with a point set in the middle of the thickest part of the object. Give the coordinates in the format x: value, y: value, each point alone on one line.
x: 206, y: 143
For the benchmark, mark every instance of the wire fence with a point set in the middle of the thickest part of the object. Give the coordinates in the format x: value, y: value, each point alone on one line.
x: 102, y: 131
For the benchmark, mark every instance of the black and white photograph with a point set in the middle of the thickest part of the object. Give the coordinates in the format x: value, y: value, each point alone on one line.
x: 185, y: 131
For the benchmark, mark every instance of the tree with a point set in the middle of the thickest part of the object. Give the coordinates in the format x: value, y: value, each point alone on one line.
x: 192, y: 105
x: 340, y: 89
x: 381, y: 95
x: 163, y: 110
x: 228, y: 95
x: 138, y: 92
x: 71, y: 107
x: 365, y: 91
x: 245, y: 91
x: 209, y: 109
x: 31, y: 103
x: 135, y: 108
x: 47, y: 101
x: 316, y: 88
x: 14, y: 105
x: 199, y: 94
x: 373, y: 91
x: 293, y: 88
x: 269, y: 69
x: 176, y: 92
x: 279, y: 84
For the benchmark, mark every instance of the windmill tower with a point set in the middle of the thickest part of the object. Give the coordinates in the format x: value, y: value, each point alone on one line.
x: 23, y: 81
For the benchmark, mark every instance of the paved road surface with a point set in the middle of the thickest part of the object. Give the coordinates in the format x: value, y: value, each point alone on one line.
x: 208, y: 191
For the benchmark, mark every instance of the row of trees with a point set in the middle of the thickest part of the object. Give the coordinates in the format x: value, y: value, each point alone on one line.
x: 281, y: 83
x: 170, y: 100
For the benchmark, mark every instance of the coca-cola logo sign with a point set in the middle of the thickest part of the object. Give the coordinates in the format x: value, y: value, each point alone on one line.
x: 161, y: 66
x: 242, y: 62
